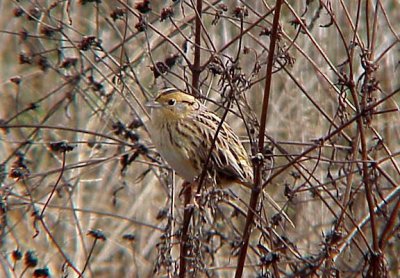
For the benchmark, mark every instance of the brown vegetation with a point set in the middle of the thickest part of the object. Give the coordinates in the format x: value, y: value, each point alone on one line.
x: 84, y: 193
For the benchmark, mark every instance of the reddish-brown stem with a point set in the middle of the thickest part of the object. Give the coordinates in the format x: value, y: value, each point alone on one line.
x: 389, y: 226
x: 330, y: 135
x: 257, y: 188
x: 187, y: 215
x: 55, y: 185
x: 88, y: 258
x: 197, y: 47
x: 360, y: 105
x: 58, y: 247
x: 188, y: 211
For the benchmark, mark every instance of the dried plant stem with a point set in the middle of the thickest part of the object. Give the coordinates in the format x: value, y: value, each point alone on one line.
x: 257, y: 188
x: 88, y: 258
x: 196, y: 69
x: 187, y: 215
x: 55, y: 185
x: 387, y: 232
x: 188, y: 211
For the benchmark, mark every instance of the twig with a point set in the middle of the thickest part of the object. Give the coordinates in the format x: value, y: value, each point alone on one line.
x: 187, y: 215
x: 195, y: 68
x: 188, y: 211
x: 388, y: 199
x: 389, y: 226
x: 55, y: 186
x: 257, y: 188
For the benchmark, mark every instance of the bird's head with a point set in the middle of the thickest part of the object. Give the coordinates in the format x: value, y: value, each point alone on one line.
x: 172, y: 104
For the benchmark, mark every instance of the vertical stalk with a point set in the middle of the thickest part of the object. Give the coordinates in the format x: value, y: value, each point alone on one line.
x: 187, y: 215
x: 188, y: 211
x: 257, y: 188
x: 196, y: 69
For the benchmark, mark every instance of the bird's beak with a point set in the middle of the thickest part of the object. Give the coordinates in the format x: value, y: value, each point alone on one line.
x: 153, y: 104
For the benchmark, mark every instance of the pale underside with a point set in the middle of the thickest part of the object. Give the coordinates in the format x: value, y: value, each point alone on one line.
x: 179, y: 143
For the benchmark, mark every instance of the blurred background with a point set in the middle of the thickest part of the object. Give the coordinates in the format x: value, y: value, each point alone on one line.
x: 84, y: 192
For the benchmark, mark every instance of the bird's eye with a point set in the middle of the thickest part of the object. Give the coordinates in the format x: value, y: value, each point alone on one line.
x: 171, y: 102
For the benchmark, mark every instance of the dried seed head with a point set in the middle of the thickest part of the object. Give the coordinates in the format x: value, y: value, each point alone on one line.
x: 166, y: 13
x: 87, y: 42
x: 143, y: 7
x: 97, y: 234
x: 24, y: 59
x: 129, y: 237
x: 16, y: 255
x: 61, y: 146
x: 240, y: 12
x: 33, y: 13
x: 141, y: 25
x: 16, y: 79
x: 30, y: 259
x: 18, y: 12
x: 118, y: 13
x: 171, y: 60
x: 159, y: 69
x: 69, y: 62
x: 41, y: 273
